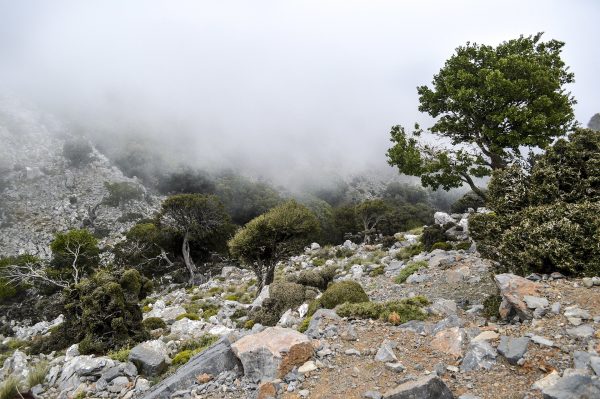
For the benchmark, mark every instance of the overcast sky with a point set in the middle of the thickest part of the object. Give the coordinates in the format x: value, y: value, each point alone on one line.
x: 268, y: 85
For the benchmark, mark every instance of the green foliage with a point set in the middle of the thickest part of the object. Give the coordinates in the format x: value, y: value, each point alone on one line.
x: 78, y: 152
x: 342, y: 253
x: 345, y: 222
x: 77, y: 248
x: 245, y: 199
x: 315, y: 278
x: 143, y: 248
x: 120, y: 193
x: 431, y: 235
x: 186, y: 181
x: 122, y: 355
x: 249, y: 324
x: 304, y: 324
x: 273, y: 236
x: 465, y: 245
x: 10, y: 388
x: 441, y: 245
x: 406, y: 309
x: 103, y: 313
x: 37, y: 374
x: 410, y: 251
x: 10, y: 291
x: 182, y: 357
x: 469, y: 200
x: 491, y: 306
x: 342, y: 292
x: 282, y: 296
x: 409, y: 270
x: 153, y: 323
x: 495, y: 100
x: 378, y: 271
x: 192, y: 348
x: 546, y: 220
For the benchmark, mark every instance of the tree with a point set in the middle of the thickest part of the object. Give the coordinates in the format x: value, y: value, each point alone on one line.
x: 120, y: 193
x: 594, y: 123
x: 490, y: 104
x: 195, y: 217
x: 74, y: 255
x: 546, y: 219
x: 369, y: 213
x: 273, y: 236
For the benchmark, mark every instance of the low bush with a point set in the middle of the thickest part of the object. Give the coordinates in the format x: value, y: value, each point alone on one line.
x: 465, y: 246
x: 154, y: 323
x: 410, y: 251
x: 121, y: 355
x: 191, y: 348
x: 119, y: 193
x: 304, y: 324
x: 182, y: 357
x: 441, y: 245
x: 431, y: 235
x: 315, y: 278
x: 395, y: 312
x: 283, y: 295
x: 378, y: 271
x: 10, y: 388
x: 342, y: 292
x: 408, y: 270
x: 491, y: 306
x: 191, y: 316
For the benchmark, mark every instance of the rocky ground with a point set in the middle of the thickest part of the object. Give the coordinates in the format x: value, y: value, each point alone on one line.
x: 543, y: 341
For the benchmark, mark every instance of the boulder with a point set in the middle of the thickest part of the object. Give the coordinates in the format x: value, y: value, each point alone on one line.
x: 449, y: 341
x: 513, y: 290
x: 15, y: 365
x: 583, y: 331
x: 214, y: 360
x: 81, y: 366
x: 386, y: 354
x: 315, y: 326
x: 258, y: 301
x: 272, y: 353
x: 443, y: 307
x: 442, y: 218
x: 574, y: 386
x: 186, y: 328
x: 481, y: 355
x: 513, y: 349
x: 150, y: 357
x: 427, y: 387
x: 168, y: 313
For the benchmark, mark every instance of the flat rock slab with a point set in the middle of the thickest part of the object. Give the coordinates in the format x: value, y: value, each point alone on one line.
x: 150, y: 357
x: 577, y: 386
x: 428, y: 387
x: 513, y: 349
x: 214, y: 360
x: 272, y: 353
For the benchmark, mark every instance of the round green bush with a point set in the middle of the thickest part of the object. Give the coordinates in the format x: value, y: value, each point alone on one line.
x: 342, y: 292
x: 154, y: 323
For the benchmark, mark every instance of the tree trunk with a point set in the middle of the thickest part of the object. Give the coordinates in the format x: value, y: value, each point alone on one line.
x: 475, y: 189
x: 187, y: 258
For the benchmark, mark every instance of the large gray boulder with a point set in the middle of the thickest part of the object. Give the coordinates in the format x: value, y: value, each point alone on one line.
x: 428, y: 387
x: 481, y: 355
x: 150, y: 357
x: 513, y: 349
x: 574, y: 386
x: 214, y: 360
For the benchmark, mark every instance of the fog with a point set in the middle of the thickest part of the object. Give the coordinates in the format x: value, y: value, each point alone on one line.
x: 279, y: 89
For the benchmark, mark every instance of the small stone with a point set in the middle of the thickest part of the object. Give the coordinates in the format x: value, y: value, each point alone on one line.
x: 555, y: 308
x: 372, y: 395
x: 385, y: 353
x: 547, y: 381
x: 430, y: 386
x: 304, y: 393
x: 513, y: 349
x: 542, y: 340
x: 395, y: 366
x: 576, y: 321
x: 575, y: 311
x: 584, y: 331
x: 349, y: 334
x: 587, y: 282
x: 352, y: 352
x: 486, y: 336
x: 307, y: 367
x: 534, y: 302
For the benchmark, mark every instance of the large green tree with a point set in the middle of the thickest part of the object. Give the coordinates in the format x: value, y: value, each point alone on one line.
x: 273, y: 236
x: 491, y: 104
x: 196, y: 218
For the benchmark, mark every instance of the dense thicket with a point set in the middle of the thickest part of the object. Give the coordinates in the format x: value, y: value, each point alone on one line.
x: 546, y: 219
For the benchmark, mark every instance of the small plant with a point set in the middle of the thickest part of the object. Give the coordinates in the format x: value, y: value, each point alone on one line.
x: 408, y: 270
x: 441, y: 245
x: 410, y: 251
x: 378, y: 271
x: 343, y: 252
x: 154, y: 323
x: 491, y: 306
x: 249, y: 324
x: 232, y: 297
x: 182, y: 357
x: 304, y: 324
x: 37, y: 374
x: 416, y: 230
x: 215, y: 290
x: 191, y: 316
x: 318, y: 262
x: 9, y: 389
x: 465, y: 246
x: 121, y: 355
x: 394, y: 319
x: 342, y: 292
x: 395, y: 312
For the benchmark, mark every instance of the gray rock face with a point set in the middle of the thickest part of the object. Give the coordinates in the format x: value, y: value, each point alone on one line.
x: 385, y: 354
x: 583, y: 331
x: 576, y: 386
x: 513, y: 349
x: 428, y: 387
x: 481, y: 355
x: 214, y: 360
x: 150, y: 357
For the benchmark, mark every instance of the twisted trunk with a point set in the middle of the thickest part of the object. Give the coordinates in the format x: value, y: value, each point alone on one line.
x: 187, y: 258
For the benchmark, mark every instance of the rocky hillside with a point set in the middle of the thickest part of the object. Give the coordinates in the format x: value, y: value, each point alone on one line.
x: 42, y: 192
x: 454, y: 329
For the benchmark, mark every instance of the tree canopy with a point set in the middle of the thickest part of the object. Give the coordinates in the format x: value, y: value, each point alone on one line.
x: 490, y: 104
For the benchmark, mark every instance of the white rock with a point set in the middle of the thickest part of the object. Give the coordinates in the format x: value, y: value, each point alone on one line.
x: 442, y: 218
x: 307, y: 367
x: 303, y: 310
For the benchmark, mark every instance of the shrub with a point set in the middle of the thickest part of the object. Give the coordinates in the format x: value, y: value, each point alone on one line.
x: 378, y: 271
x: 192, y: 348
x: 465, y: 245
x: 395, y: 312
x: 191, y: 316
x: 409, y: 270
x: 75, y: 247
x: 282, y: 296
x: 343, y: 252
x: 154, y: 323
x: 119, y: 193
x: 491, y: 306
x: 121, y: 355
x: 249, y: 324
x: 182, y: 357
x: 304, y: 324
x: 441, y: 245
x: 431, y: 235
x: 342, y: 292
x: 469, y: 200
x: 315, y: 278
x: 410, y: 251
x: 546, y: 220
x: 103, y: 313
